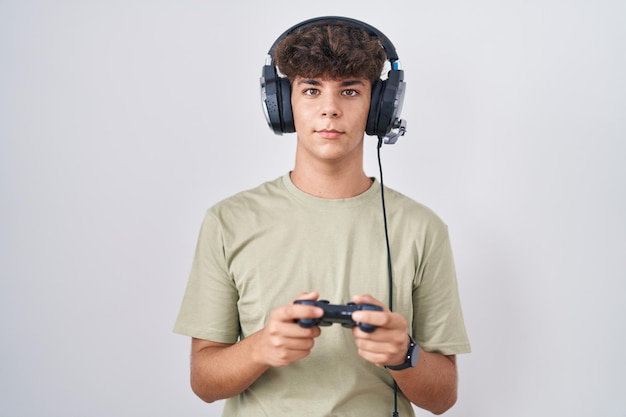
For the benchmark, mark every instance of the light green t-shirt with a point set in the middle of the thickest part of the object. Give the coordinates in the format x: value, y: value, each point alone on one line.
x: 261, y: 248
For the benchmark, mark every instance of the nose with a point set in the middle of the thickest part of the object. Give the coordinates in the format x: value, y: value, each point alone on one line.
x: 330, y: 106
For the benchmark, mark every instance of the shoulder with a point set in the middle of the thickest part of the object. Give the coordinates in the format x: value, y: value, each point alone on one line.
x: 255, y: 201
x: 412, y: 221
x: 410, y: 209
x: 243, y: 198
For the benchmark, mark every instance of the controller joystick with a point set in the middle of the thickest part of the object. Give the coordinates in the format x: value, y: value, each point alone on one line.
x: 337, y: 313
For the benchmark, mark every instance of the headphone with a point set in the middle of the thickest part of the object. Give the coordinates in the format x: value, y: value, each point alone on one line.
x: 386, y: 100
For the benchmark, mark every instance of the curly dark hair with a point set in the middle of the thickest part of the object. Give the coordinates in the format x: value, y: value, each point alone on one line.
x: 333, y: 50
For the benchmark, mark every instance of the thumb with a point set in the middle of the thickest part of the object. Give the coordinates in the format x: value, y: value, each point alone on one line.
x: 367, y: 299
x: 314, y: 295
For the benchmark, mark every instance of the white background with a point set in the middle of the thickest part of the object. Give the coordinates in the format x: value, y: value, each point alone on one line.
x: 121, y: 122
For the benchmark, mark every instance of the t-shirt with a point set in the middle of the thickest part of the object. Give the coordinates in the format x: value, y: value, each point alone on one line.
x: 261, y: 248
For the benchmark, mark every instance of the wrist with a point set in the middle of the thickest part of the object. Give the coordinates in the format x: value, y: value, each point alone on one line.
x: 255, y: 351
x: 410, y: 358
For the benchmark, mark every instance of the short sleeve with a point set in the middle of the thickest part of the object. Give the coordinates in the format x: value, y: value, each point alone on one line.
x: 209, y: 306
x: 438, y: 324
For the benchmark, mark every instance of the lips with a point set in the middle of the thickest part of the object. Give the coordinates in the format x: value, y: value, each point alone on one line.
x: 329, y: 133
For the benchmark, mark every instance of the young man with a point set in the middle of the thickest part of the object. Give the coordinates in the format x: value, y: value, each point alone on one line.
x: 318, y: 233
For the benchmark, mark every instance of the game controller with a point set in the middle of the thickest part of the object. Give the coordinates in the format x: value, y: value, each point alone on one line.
x: 336, y: 313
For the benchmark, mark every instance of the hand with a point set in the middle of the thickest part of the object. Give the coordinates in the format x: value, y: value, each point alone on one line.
x: 388, y: 344
x: 282, y: 341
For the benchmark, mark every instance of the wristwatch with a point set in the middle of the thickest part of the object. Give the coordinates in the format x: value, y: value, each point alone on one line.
x: 411, y: 357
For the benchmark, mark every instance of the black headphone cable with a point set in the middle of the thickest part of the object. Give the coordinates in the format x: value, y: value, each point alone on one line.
x: 389, y: 266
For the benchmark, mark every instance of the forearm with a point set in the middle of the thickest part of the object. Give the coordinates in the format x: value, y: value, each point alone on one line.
x: 221, y: 371
x: 431, y: 384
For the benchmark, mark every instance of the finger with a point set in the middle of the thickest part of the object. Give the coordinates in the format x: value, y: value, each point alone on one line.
x: 291, y: 338
x: 388, y: 350
x: 375, y: 352
x: 292, y: 312
x: 368, y: 299
x: 304, y: 311
x: 282, y: 351
x: 374, y: 318
x: 365, y: 316
x: 383, y: 320
x: 381, y: 336
x: 377, y: 359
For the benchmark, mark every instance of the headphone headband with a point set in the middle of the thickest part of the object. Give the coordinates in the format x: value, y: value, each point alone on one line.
x: 390, y: 50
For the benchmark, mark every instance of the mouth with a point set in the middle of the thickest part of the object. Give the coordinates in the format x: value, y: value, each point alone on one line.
x: 329, y: 133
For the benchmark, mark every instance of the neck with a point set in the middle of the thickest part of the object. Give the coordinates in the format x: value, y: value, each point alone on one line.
x: 329, y: 183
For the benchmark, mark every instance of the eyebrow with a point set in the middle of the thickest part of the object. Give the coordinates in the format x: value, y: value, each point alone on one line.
x: 346, y: 83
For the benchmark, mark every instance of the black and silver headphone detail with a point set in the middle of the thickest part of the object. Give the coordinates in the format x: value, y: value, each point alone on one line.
x: 386, y: 100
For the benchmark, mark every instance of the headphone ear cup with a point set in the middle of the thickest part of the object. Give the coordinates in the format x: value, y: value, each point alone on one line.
x: 391, y: 100
x: 270, y: 96
x: 286, y: 112
x: 276, y: 100
x: 371, y: 127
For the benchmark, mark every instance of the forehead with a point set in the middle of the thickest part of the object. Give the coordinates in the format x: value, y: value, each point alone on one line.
x: 324, y: 81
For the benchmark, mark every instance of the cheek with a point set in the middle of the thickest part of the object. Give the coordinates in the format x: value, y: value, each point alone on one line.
x: 299, y: 112
x: 366, y: 107
x: 365, y: 114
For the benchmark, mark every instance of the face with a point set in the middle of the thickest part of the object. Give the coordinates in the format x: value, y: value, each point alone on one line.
x: 330, y: 118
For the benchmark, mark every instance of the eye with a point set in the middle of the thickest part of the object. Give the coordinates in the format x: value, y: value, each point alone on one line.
x: 350, y: 92
x: 311, y: 92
